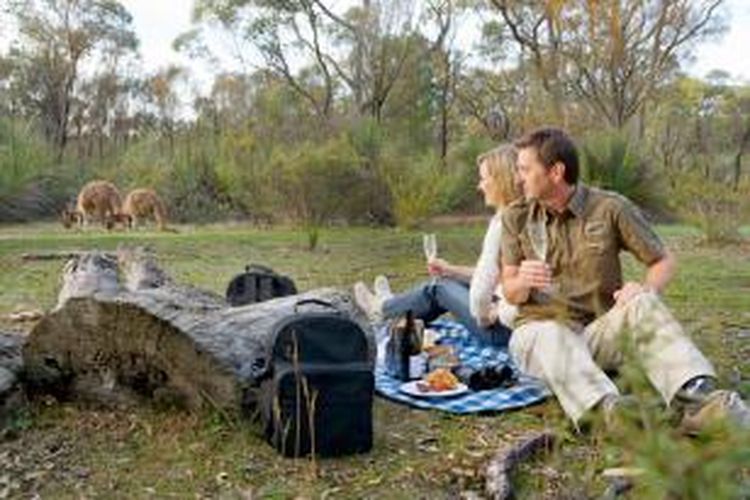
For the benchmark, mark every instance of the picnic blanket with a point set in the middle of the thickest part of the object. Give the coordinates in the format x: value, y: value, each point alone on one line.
x: 526, y: 391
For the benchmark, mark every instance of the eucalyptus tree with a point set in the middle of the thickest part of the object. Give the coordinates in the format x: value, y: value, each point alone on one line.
x: 612, y: 55
x: 56, y: 38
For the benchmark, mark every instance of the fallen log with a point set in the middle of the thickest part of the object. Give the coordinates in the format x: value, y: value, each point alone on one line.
x: 498, y: 485
x: 151, y: 337
x: 32, y: 256
x: 12, y: 396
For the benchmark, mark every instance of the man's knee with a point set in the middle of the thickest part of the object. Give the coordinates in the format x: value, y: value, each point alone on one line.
x: 646, y: 302
x: 540, y: 335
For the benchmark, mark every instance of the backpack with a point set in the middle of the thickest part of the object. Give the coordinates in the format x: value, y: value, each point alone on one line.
x: 317, y: 395
x: 257, y: 284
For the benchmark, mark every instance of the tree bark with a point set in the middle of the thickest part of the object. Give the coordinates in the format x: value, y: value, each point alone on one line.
x: 12, y: 397
x: 156, y: 339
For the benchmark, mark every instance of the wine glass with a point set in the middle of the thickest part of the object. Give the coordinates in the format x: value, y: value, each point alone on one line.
x: 429, y: 245
x: 537, y: 231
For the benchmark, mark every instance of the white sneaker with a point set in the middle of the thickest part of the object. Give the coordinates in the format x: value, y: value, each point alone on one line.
x: 368, y: 302
x: 382, y: 288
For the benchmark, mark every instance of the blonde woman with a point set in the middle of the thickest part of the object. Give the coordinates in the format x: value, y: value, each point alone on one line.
x: 469, y: 293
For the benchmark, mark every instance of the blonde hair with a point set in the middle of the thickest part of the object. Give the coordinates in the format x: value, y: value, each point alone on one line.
x: 501, y: 167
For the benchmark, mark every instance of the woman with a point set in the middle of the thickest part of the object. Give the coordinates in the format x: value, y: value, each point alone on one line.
x: 466, y: 292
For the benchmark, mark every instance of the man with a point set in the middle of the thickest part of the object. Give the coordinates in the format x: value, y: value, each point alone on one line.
x: 575, y: 312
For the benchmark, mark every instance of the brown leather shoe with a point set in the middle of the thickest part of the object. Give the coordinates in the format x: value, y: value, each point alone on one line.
x: 719, y: 405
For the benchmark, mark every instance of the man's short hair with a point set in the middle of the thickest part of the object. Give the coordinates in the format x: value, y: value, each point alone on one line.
x: 553, y: 145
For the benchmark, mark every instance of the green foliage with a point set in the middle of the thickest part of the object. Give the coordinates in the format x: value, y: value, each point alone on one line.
x: 15, y: 422
x: 462, y: 191
x: 418, y: 186
x: 319, y: 183
x: 191, y: 182
x: 141, y: 165
x: 609, y: 161
x: 673, y: 465
x: 712, y: 206
x: 367, y: 137
x: 30, y: 184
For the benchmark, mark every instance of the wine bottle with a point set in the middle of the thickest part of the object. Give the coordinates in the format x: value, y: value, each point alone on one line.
x: 413, y: 359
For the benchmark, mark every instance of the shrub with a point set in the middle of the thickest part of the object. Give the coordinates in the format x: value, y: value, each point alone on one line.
x: 31, y: 184
x: 418, y: 187
x: 712, y: 206
x: 610, y: 162
x: 191, y: 182
x: 461, y: 193
x: 318, y: 184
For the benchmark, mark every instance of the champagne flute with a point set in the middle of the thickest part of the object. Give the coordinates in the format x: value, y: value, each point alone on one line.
x: 429, y: 245
x: 537, y: 231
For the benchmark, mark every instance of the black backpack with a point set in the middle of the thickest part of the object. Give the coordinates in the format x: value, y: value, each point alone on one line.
x: 257, y: 284
x: 318, y: 394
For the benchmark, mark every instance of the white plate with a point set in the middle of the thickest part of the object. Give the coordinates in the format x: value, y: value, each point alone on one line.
x: 411, y: 389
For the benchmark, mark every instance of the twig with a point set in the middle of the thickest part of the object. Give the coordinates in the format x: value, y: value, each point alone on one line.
x: 498, y: 485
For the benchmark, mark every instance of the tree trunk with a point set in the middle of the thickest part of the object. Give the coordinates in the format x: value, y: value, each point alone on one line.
x: 150, y: 337
x: 744, y: 142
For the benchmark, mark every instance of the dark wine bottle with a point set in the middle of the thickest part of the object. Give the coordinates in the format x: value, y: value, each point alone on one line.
x: 404, y: 358
x: 405, y: 347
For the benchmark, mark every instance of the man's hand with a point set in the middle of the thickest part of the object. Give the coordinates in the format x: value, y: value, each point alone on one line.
x: 535, y: 274
x: 438, y: 267
x: 628, y: 291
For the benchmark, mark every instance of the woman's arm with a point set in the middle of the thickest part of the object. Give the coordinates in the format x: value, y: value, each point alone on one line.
x: 443, y: 268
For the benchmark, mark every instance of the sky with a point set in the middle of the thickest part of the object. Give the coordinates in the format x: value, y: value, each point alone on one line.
x: 729, y: 53
x: 158, y: 22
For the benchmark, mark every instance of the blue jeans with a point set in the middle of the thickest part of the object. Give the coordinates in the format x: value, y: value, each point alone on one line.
x: 430, y: 300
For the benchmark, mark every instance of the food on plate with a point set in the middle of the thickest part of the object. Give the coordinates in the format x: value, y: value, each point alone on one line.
x: 438, y: 380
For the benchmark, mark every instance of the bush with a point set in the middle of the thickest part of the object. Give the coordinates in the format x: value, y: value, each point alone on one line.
x: 317, y: 184
x: 461, y: 193
x: 419, y: 187
x: 192, y: 182
x: 31, y: 184
x: 712, y: 206
x: 610, y: 162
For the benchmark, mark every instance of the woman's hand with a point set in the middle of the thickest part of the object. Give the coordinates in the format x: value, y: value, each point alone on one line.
x: 438, y: 267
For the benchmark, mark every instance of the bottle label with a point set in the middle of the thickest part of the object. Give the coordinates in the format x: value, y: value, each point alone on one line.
x: 417, y: 366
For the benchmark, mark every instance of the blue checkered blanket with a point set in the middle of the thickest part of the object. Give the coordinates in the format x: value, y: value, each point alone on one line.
x: 526, y: 391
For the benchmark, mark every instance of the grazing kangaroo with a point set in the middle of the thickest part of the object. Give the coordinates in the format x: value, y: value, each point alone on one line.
x: 142, y: 203
x: 97, y: 199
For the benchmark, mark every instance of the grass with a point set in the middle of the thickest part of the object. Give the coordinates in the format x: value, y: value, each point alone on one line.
x: 71, y: 450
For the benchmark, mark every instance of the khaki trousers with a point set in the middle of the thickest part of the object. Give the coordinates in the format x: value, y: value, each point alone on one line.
x: 571, y: 363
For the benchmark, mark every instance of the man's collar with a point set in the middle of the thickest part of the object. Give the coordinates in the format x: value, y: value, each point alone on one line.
x: 577, y: 202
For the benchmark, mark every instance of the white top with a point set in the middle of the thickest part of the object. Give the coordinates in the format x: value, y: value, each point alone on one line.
x: 487, y: 274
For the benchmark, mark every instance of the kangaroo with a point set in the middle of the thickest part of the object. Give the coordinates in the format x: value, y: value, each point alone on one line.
x: 70, y: 217
x: 97, y: 199
x: 142, y: 203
